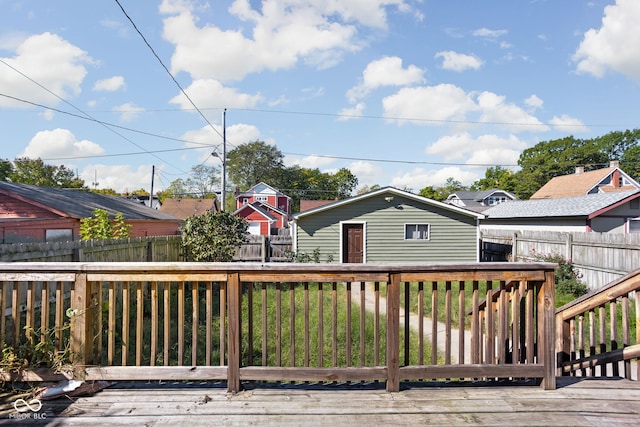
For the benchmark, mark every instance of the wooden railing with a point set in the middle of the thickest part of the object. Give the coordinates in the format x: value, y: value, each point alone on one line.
x: 599, y: 333
x: 239, y: 322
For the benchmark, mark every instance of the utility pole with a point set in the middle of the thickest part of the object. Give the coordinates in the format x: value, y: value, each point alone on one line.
x: 223, y: 198
x: 153, y: 172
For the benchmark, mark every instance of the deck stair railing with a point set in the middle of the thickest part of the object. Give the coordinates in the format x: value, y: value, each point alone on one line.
x: 238, y: 322
x: 598, y: 333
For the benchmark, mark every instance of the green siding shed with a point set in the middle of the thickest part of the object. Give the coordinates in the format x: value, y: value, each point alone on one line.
x: 394, y: 226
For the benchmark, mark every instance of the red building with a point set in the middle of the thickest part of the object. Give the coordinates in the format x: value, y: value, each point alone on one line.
x: 264, y: 208
x: 37, y: 214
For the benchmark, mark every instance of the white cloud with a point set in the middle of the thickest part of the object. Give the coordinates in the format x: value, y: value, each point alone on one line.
x: 496, y: 110
x: 58, y: 143
x: 565, y: 123
x: 352, y: 113
x: 367, y: 172
x: 311, y: 162
x: 211, y: 140
x: 129, y: 111
x: 121, y: 178
x: 534, y: 102
x: 486, y: 149
x: 283, y: 34
x: 211, y: 93
x: 614, y: 46
x: 487, y: 33
x: 428, y: 104
x: 458, y: 61
x: 49, y: 60
x: 386, y: 71
x: 111, y: 84
x: 419, y: 178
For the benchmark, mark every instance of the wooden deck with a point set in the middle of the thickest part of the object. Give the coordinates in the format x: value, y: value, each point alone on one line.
x: 576, y: 402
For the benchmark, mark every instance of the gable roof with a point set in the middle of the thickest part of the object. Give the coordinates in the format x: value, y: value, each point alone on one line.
x: 262, y: 209
x: 588, y: 206
x: 581, y: 183
x: 475, y: 199
x: 306, y: 205
x: 262, y: 188
x: 184, y: 208
x: 392, y: 192
x: 79, y: 203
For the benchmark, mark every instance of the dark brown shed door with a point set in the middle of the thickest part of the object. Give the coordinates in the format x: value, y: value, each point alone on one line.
x: 352, y: 243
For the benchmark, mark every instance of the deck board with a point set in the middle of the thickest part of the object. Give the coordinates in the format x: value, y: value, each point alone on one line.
x: 585, y: 402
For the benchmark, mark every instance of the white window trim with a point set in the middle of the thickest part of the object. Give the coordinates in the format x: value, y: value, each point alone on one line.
x: 628, y: 225
x: 404, y: 232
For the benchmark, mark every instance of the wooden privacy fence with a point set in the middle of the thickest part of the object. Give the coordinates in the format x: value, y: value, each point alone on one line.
x: 286, y: 322
x: 599, y: 257
x: 598, y: 334
x: 136, y: 249
x: 274, y: 248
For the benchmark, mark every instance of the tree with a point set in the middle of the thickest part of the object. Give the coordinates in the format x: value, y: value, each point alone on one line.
x: 213, y: 236
x: 203, y: 181
x: 255, y: 162
x: 441, y: 193
x: 496, y: 177
x: 99, y: 226
x: 37, y: 172
x: 549, y: 159
x: 6, y: 168
x: 344, y: 182
x: 106, y: 191
x: 366, y: 189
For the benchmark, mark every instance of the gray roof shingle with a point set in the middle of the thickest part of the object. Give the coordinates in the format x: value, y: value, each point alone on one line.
x: 560, y: 207
x: 81, y: 204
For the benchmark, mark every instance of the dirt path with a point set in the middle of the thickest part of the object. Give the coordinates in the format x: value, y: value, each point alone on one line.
x: 414, y: 321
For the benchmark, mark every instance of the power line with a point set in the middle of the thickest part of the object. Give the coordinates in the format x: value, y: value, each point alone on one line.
x: 77, y: 109
x: 165, y: 68
x: 92, y: 119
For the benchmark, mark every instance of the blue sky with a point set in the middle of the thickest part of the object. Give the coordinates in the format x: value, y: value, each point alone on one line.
x: 403, y: 93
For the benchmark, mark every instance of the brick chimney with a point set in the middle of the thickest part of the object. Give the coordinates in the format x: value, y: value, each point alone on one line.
x: 579, y: 170
x: 614, y: 164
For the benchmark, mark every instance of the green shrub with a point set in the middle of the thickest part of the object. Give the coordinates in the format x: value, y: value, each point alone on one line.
x: 567, y: 277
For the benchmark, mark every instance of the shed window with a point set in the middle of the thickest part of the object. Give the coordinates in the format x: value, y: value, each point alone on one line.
x: 634, y: 225
x: 416, y: 231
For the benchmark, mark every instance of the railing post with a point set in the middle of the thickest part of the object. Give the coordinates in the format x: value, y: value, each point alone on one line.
x: 546, y: 326
x: 563, y: 343
x: 393, y: 333
x: 234, y: 311
x: 81, y: 322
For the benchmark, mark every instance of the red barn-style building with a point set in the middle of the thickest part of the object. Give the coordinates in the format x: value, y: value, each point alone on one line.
x: 264, y: 208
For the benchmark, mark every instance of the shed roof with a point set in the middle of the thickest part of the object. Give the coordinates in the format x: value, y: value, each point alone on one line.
x: 391, y: 191
x: 184, y: 208
x: 581, y: 206
x: 79, y: 203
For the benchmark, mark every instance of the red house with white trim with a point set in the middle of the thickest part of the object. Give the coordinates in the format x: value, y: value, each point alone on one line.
x: 264, y: 208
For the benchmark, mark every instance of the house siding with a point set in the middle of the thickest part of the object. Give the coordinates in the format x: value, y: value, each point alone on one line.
x: 453, y: 236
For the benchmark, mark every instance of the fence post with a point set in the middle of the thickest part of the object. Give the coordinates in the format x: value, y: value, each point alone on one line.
x: 81, y: 321
x: 234, y: 312
x: 569, y: 249
x: 264, y: 241
x: 546, y: 332
x: 393, y: 333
